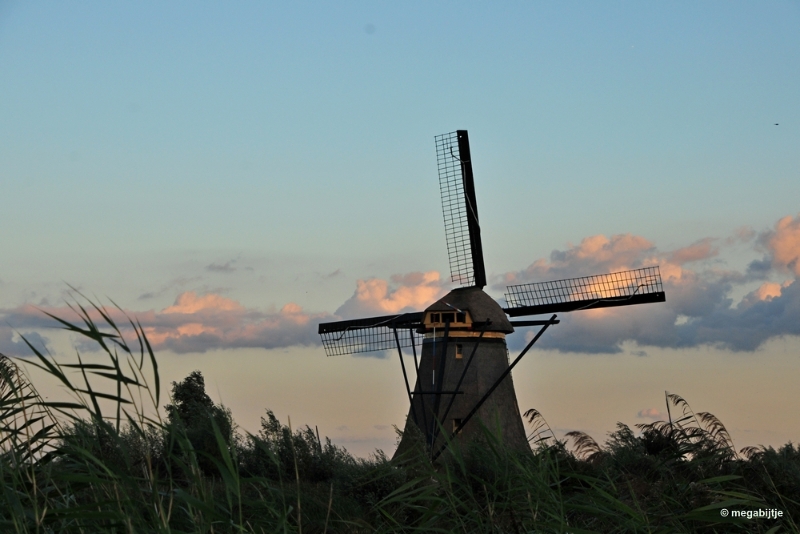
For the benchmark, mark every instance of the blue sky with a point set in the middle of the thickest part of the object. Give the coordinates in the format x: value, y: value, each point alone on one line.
x: 275, y: 153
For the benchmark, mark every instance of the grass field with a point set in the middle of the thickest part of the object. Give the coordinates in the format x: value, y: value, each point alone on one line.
x: 106, y: 461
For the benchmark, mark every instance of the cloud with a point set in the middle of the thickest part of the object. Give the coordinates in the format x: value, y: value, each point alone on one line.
x: 701, y: 250
x: 403, y: 293
x: 335, y: 274
x: 13, y: 345
x: 197, y: 323
x: 765, y: 292
x: 172, y: 285
x: 652, y: 414
x: 226, y: 267
x: 783, y: 244
x: 699, y: 309
x: 190, y: 302
x: 742, y: 234
x: 595, y: 254
x: 200, y: 322
x: 193, y: 323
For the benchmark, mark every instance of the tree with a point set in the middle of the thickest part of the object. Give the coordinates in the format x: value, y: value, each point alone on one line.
x: 194, y: 414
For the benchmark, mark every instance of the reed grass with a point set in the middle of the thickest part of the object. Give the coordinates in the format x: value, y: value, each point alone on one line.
x: 107, y: 460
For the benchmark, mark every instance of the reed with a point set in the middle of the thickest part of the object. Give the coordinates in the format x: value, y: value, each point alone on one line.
x: 112, y: 458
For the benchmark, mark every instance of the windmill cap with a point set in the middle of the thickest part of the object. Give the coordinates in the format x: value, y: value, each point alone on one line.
x: 479, y: 305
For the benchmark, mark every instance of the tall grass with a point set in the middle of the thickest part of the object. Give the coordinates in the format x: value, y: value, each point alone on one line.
x: 106, y: 460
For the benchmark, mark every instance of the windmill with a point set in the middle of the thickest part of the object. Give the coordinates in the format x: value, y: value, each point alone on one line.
x: 462, y: 364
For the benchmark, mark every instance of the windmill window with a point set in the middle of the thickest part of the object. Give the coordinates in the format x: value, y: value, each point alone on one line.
x: 459, y: 351
x: 456, y: 424
x: 447, y: 317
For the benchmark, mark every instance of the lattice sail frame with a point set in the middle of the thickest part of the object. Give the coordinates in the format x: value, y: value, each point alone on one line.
x: 369, y: 335
x: 454, y: 209
x: 635, y: 286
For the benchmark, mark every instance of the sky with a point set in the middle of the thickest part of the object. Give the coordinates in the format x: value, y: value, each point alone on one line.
x: 233, y: 174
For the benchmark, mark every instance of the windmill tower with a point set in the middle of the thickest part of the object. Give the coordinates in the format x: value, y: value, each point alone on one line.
x: 463, y: 370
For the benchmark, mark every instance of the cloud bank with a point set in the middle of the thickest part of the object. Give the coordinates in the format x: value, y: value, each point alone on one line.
x: 202, y: 322
x: 699, y: 309
x: 194, y: 323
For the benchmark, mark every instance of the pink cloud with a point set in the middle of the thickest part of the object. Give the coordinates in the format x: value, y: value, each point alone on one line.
x: 766, y: 292
x: 651, y: 413
x: 701, y: 250
x: 743, y: 234
x: 197, y: 323
x: 700, y: 294
x: 409, y: 292
x: 617, y: 251
x: 190, y: 302
x: 212, y: 322
x: 784, y: 244
x: 200, y: 322
x: 595, y: 254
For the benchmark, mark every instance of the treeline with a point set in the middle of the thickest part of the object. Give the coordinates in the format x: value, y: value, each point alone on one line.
x: 72, y: 467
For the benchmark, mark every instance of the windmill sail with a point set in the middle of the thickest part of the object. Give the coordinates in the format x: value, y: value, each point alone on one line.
x: 624, y: 288
x: 371, y: 334
x: 460, y: 209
